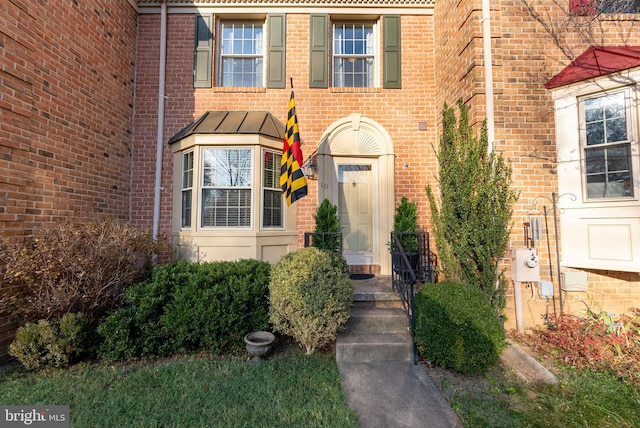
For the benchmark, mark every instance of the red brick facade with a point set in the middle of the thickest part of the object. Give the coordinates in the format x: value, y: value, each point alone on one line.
x: 66, y: 105
x: 79, y: 109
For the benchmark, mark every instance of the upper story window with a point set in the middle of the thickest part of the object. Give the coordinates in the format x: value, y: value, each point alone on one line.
x: 226, y: 187
x: 353, y: 55
x: 241, y: 60
x: 606, y: 145
x: 350, y: 54
x: 248, y: 53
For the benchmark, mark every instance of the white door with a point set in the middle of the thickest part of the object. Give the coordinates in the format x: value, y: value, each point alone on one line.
x: 356, y: 202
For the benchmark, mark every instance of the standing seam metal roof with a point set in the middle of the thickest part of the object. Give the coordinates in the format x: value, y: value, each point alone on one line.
x: 233, y: 122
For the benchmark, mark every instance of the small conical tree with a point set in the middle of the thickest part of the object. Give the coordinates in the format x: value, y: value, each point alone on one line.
x: 472, y: 216
x: 327, y: 221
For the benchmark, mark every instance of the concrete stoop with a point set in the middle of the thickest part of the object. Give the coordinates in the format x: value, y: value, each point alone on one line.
x: 377, y: 330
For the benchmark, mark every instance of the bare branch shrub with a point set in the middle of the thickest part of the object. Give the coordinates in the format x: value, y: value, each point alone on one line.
x: 74, y: 267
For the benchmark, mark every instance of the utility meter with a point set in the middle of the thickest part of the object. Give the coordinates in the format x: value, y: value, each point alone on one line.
x: 525, y: 266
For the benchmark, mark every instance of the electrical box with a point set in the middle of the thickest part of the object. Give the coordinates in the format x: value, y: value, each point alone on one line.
x: 574, y: 280
x: 525, y: 266
x: 545, y: 289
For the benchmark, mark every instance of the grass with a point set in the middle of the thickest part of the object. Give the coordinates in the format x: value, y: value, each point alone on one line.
x: 582, y: 399
x: 290, y: 389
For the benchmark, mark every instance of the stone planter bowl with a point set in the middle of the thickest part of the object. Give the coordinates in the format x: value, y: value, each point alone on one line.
x: 259, y: 343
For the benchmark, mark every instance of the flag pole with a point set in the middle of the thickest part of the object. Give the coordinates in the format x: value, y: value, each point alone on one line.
x: 291, y: 79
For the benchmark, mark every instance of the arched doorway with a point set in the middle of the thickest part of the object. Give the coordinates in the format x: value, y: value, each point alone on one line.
x: 356, y: 173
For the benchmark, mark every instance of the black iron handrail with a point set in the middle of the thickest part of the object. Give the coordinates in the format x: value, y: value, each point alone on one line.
x: 407, y: 273
x: 324, y: 240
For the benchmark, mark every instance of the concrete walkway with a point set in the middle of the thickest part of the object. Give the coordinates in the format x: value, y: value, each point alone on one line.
x: 375, y: 359
x: 395, y: 395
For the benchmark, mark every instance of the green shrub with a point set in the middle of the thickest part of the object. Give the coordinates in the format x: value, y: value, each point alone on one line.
x: 189, y: 306
x: 327, y: 227
x: 472, y: 215
x: 457, y: 328
x: 310, y: 294
x: 75, y: 267
x: 50, y: 344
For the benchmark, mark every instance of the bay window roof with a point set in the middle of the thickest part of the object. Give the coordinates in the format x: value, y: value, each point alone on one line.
x: 233, y: 122
x: 597, y: 61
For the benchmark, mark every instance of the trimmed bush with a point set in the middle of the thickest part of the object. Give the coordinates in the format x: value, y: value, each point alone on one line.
x: 75, y: 267
x: 327, y: 222
x: 50, y: 344
x: 189, y: 306
x: 457, y: 328
x: 310, y: 294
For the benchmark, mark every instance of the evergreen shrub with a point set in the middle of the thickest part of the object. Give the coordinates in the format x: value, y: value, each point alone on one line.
x: 310, y: 295
x: 189, y: 306
x: 51, y: 344
x: 327, y: 222
x: 457, y: 328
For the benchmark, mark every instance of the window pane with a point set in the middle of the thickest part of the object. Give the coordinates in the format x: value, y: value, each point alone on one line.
x: 227, y: 168
x: 272, y: 211
x: 608, y: 172
x: 241, y: 54
x: 186, y: 208
x: 595, y: 161
x: 616, y: 130
x: 605, y: 119
x: 353, y: 60
x: 187, y: 170
x: 226, y: 208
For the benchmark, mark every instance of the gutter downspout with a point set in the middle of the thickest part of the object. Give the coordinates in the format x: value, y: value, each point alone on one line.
x: 160, y: 135
x: 488, y: 74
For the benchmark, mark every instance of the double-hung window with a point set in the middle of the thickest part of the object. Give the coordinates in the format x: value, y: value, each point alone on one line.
x: 226, y: 187
x: 353, y: 55
x: 272, y: 200
x: 606, y: 146
x: 187, y: 189
x: 241, y: 59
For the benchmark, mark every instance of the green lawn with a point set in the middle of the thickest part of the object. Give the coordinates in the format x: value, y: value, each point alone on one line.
x: 287, y: 390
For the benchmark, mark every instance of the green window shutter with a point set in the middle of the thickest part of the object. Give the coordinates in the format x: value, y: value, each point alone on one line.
x: 276, y: 51
x: 202, y: 58
x: 392, y: 58
x: 319, y: 52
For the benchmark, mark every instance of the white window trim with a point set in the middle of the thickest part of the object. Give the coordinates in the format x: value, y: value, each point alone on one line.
x: 218, y: 52
x: 192, y: 188
x: 377, y: 53
x: 201, y: 187
x: 631, y: 108
x: 262, y: 189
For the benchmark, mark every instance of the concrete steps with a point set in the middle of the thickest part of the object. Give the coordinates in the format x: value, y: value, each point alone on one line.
x: 377, y: 330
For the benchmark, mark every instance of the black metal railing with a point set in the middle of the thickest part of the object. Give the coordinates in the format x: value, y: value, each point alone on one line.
x: 324, y: 240
x: 409, y: 270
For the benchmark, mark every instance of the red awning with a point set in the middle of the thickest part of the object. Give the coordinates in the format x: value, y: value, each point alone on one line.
x: 597, y: 61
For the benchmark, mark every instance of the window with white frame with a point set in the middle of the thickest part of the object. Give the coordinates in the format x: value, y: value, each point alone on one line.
x: 606, y: 145
x: 353, y: 55
x: 241, y: 54
x: 226, y: 187
x: 187, y: 189
x: 272, y: 200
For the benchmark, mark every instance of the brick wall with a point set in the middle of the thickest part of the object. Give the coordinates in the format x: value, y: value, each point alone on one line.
x: 399, y: 111
x: 66, y: 102
x: 524, y: 58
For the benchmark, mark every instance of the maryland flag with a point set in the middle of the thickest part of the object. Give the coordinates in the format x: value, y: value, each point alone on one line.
x: 292, y: 179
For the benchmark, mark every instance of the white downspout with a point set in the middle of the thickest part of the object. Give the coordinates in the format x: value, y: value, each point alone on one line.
x: 160, y: 136
x: 488, y: 74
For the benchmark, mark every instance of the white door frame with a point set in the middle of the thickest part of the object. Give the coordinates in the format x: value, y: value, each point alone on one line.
x: 363, y: 139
